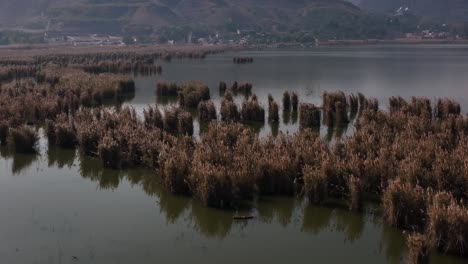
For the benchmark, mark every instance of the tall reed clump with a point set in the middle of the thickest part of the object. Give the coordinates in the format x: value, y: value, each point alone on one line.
x: 175, y: 169
x: 309, y: 116
x: 273, y: 111
x: 222, y: 168
x: 24, y: 139
x: 207, y: 111
x: 192, y: 93
x: 353, y: 104
x: 405, y: 206
x: 277, y: 168
x: 4, y: 128
x: 241, y: 88
x: 335, y: 107
x: 315, y: 184
x: 448, y: 225
x: 167, y: 89
x: 178, y: 121
x: 185, y: 124
x: 446, y: 108
x: 171, y: 119
x: 64, y: 134
x: 294, y: 101
x: 110, y: 152
x: 286, y: 102
x: 252, y: 111
x: 153, y: 117
x: 229, y: 110
x: 222, y: 88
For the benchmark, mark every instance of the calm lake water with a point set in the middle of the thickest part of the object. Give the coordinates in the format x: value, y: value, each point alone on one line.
x: 60, y: 207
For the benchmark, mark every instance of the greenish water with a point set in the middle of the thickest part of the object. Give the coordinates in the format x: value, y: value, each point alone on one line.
x: 60, y: 207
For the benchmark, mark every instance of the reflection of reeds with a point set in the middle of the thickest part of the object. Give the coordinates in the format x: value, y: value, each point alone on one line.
x: 3, y: 132
x: 24, y: 139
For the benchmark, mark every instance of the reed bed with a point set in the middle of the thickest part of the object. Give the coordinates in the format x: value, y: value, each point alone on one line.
x: 122, y: 67
x: 229, y: 109
x: 17, y: 72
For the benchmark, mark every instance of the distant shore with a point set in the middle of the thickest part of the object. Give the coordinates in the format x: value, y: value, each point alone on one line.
x: 390, y: 41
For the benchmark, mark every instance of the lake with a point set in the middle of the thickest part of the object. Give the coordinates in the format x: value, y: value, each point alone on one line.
x: 61, y: 207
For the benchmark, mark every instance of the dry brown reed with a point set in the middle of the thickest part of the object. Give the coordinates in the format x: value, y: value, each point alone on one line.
x: 207, y: 111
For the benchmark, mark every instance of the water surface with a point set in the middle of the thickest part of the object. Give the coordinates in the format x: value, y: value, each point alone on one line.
x: 60, y: 207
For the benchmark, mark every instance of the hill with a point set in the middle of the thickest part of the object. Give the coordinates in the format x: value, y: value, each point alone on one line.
x: 326, y: 18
